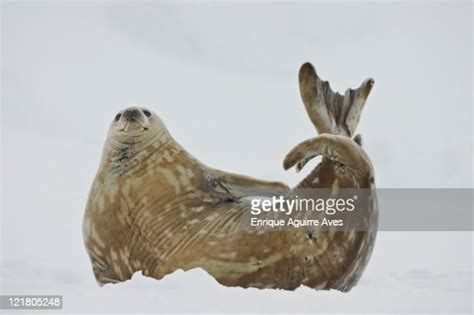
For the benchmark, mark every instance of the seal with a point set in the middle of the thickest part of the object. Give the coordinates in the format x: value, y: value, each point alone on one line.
x: 155, y: 208
x: 145, y: 176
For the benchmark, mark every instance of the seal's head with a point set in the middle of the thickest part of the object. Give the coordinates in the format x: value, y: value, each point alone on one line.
x: 135, y: 126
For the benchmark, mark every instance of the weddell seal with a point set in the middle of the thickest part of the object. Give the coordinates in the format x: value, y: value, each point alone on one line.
x: 155, y: 208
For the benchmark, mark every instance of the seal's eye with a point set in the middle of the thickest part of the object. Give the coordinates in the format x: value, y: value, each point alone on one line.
x: 147, y: 113
x: 118, y: 117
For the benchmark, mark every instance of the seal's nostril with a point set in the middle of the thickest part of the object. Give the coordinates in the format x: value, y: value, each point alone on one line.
x: 118, y: 117
x: 131, y: 114
x: 147, y: 113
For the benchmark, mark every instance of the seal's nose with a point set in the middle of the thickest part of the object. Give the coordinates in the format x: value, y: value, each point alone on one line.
x: 132, y: 113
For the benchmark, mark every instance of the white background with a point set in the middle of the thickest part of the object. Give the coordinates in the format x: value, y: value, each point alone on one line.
x: 223, y: 77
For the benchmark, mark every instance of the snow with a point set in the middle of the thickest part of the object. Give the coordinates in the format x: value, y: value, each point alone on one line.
x: 223, y: 79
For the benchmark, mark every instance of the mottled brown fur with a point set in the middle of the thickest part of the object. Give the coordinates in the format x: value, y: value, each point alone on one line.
x: 154, y: 208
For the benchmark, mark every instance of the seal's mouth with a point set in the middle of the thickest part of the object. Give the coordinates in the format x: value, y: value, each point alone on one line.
x: 133, y: 125
x: 133, y: 119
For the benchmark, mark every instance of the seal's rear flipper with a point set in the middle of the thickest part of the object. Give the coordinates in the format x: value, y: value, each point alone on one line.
x: 228, y: 186
x: 337, y: 148
x: 329, y: 111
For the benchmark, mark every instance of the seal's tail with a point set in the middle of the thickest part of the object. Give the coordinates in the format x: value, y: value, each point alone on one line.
x: 335, y: 117
x: 329, y: 111
x: 337, y: 148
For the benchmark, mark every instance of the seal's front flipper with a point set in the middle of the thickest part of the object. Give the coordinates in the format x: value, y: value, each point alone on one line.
x: 228, y: 186
x: 340, y: 149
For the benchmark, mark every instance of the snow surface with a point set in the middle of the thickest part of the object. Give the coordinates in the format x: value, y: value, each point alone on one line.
x: 223, y: 78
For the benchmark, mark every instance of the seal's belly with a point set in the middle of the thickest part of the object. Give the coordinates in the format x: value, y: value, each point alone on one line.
x: 218, y: 239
